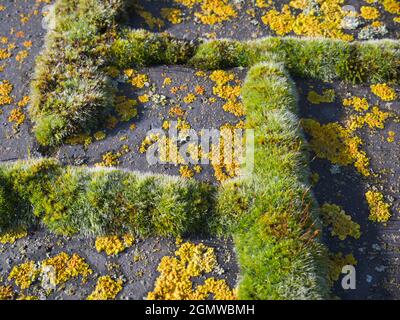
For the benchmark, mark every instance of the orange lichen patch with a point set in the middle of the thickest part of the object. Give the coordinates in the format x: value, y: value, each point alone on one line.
x: 136, y: 79
x: 27, y: 44
x: 234, y: 107
x: 23, y: 102
x: 226, y: 155
x: 67, y: 267
x: 341, y: 223
x: 215, y: 11
x: 172, y: 15
x: 328, y: 96
x: 359, y: 104
x: 24, y: 274
x: 336, y: 263
x: 186, y: 172
x: 175, y: 281
x: 20, y: 34
x: 384, y: 92
x: 176, y: 111
x: 113, y: 245
x: 17, y: 116
x: 369, y: 13
x: 22, y: 55
x: 379, y: 210
x: 6, y: 292
x: 5, y: 90
x: 106, y: 289
x: 2, y: 8
x: 337, y: 144
x: 12, y: 236
x: 126, y: 108
x: 327, y: 23
x: 228, y: 92
x: 199, y: 90
x: 375, y: 120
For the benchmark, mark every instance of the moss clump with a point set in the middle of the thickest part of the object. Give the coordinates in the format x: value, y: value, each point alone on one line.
x: 336, y: 263
x: 277, y: 240
x: 141, y: 48
x: 71, y: 91
x: 69, y: 200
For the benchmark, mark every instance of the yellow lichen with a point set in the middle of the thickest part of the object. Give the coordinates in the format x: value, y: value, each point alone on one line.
x: 113, y: 245
x: 6, y: 292
x: 5, y: 90
x: 67, y: 267
x: 186, y: 172
x: 326, y: 23
x: 106, y: 289
x: 175, y: 281
x: 23, y: 102
x: 24, y: 274
x: 228, y: 92
x: 391, y: 6
x: 384, y: 92
x: 144, y: 98
x: 12, y: 236
x: 17, y: 116
x: 375, y: 120
x: 337, y: 144
x: 172, y: 15
x: 379, y: 210
x: 189, y: 98
x: 359, y: 104
x: 110, y: 159
x: 215, y: 11
x: 369, y: 13
x: 342, y: 225
x: 391, y: 136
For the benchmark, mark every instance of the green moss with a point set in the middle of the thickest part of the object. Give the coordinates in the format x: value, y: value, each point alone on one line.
x: 69, y: 200
x: 136, y: 48
x: 277, y: 243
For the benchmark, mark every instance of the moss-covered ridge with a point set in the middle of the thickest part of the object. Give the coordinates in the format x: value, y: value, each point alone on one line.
x: 98, y: 201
